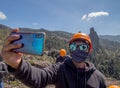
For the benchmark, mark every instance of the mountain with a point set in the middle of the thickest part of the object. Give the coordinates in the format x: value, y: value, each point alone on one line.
x: 110, y: 42
x: 111, y: 37
x: 95, y: 39
x: 112, y: 45
x: 105, y: 54
x: 4, y: 27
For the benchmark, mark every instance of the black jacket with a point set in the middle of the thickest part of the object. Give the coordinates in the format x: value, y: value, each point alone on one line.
x: 63, y: 75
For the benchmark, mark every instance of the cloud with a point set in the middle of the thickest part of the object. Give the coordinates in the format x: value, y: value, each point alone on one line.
x: 94, y: 15
x: 35, y: 23
x: 2, y: 16
x: 84, y: 17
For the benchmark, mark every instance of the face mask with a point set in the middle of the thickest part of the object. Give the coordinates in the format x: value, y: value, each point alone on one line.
x: 79, y: 53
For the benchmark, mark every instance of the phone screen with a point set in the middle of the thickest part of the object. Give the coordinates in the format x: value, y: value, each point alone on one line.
x: 33, y: 43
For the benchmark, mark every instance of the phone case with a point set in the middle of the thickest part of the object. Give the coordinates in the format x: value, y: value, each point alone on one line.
x: 33, y: 43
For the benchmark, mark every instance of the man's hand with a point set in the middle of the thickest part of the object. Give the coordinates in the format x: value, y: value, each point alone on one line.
x: 11, y: 58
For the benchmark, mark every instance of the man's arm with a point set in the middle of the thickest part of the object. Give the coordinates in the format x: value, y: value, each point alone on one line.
x: 33, y: 76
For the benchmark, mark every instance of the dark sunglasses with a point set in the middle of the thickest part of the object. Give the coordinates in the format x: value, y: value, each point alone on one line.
x: 82, y: 47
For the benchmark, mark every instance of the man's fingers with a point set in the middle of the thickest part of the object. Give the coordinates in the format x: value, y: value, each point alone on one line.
x: 20, y: 54
x: 11, y: 47
x: 11, y: 39
x: 15, y: 30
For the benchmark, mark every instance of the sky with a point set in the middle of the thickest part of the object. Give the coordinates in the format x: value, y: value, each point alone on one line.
x: 63, y: 15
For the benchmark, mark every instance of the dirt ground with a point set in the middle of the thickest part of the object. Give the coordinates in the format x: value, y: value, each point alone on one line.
x: 112, y: 81
x: 109, y: 81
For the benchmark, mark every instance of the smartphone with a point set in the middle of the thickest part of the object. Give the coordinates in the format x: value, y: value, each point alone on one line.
x: 32, y: 43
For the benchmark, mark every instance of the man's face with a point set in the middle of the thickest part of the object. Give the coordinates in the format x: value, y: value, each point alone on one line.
x: 79, y: 50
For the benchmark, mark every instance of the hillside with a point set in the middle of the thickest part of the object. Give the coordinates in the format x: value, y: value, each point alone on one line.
x: 115, y: 38
x: 105, y: 53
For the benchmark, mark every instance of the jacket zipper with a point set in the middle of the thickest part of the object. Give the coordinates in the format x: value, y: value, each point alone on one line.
x: 77, y: 80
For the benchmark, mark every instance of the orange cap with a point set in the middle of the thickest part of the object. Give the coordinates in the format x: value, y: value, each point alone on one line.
x: 62, y: 52
x: 81, y: 36
x: 113, y: 86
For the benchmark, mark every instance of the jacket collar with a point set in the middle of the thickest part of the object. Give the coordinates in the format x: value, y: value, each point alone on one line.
x: 89, y: 65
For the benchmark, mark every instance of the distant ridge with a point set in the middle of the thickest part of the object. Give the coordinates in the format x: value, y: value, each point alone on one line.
x: 111, y: 37
x: 4, y: 27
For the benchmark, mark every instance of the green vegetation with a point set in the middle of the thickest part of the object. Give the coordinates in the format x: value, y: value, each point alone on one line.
x: 105, y: 55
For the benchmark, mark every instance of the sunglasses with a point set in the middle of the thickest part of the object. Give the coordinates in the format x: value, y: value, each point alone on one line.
x: 82, y: 47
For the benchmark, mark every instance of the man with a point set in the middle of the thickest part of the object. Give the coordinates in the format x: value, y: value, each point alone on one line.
x: 62, y: 56
x: 73, y: 73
